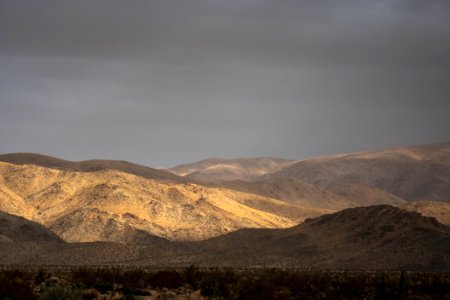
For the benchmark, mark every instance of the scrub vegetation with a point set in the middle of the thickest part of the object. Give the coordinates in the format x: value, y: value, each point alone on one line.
x: 214, y: 283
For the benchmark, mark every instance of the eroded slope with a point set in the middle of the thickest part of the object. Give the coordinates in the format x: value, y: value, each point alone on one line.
x: 109, y: 204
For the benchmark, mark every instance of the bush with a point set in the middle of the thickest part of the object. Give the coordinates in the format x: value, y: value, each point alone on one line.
x: 16, y: 285
x: 58, y: 293
x: 166, y: 279
x: 218, y: 283
x: 230, y: 284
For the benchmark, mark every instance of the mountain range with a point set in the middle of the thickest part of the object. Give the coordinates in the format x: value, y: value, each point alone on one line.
x: 379, y: 209
x: 374, y: 237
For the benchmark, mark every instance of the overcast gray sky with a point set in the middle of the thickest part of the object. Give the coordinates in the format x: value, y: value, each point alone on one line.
x: 168, y: 82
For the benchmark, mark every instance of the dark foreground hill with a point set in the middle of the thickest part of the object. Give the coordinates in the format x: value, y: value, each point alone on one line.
x: 363, y: 238
x: 14, y: 229
x: 377, y: 237
x: 21, y: 238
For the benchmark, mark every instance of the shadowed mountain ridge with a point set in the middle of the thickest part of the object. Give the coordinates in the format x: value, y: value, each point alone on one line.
x: 92, y: 165
x: 375, y: 237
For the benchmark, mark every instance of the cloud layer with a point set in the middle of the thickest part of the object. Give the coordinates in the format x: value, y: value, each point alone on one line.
x: 165, y: 82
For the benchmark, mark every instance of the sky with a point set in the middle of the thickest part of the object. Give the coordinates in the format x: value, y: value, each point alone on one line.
x: 167, y: 82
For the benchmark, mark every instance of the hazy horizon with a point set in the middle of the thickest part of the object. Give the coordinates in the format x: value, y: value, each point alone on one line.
x: 161, y: 83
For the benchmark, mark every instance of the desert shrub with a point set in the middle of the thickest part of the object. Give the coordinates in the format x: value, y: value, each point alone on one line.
x: 252, y: 289
x: 270, y: 283
x: 218, y: 283
x: 193, y: 276
x: 90, y: 294
x: 40, y: 277
x: 345, y: 285
x: 58, y: 293
x: 16, y: 285
x: 166, y: 279
x: 432, y: 285
x: 135, y: 279
x: 101, y: 279
x: 84, y: 277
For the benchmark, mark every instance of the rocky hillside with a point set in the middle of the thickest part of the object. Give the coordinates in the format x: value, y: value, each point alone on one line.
x: 387, y: 176
x: 436, y: 209
x: 366, y: 237
x: 377, y: 237
x: 110, y: 205
x: 293, y: 191
x: 220, y: 170
x: 392, y: 176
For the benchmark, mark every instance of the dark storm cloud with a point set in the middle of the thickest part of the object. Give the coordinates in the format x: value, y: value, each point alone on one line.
x: 164, y: 82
